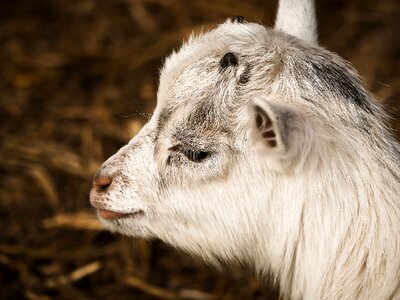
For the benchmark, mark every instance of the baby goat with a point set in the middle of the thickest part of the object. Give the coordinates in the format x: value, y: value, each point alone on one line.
x: 267, y: 149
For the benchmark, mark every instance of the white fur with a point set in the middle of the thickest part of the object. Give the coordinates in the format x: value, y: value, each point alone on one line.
x: 319, y: 210
x: 297, y: 17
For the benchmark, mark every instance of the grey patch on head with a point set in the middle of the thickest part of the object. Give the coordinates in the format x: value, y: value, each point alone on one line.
x: 204, y: 115
x: 201, y: 120
x: 326, y: 74
x: 201, y: 128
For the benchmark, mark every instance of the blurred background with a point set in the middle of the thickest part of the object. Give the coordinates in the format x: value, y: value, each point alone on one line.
x: 77, y: 80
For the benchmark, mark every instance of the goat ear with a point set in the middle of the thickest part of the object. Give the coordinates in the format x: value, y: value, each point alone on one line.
x: 270, y: 125
x: 297, y: 17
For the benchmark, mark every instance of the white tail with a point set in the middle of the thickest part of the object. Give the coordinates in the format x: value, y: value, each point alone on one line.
x: 297, y: 17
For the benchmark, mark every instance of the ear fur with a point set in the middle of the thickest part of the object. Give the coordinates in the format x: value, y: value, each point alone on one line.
x: 283, y: 134
x: 297, y: 17
x: 268, y: 125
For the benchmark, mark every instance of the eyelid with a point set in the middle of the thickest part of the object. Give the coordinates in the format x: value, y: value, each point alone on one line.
x: 182, y: 147
x: 194, y: 154
x: 177, y: 147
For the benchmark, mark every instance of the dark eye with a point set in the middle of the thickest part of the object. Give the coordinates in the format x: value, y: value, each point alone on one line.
x: 195, y: 155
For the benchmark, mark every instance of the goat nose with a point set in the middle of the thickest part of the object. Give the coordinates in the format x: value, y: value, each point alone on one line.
x: 101, y: 182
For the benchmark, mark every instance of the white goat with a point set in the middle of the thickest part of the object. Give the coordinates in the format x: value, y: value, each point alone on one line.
x: 266, y: 149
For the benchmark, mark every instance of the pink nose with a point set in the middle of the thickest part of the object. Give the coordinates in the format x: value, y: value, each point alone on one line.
x: 101, y: 182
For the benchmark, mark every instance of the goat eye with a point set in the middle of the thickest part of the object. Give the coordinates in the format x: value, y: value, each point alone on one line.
x: 195, y: 155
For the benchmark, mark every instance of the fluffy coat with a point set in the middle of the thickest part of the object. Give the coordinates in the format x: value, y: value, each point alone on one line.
x: 267, y: 149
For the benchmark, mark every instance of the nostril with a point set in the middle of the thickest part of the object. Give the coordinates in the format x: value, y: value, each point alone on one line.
x: 102, y: 182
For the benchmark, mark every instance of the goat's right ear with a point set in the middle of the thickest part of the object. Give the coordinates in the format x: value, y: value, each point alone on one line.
x: 270, y: 125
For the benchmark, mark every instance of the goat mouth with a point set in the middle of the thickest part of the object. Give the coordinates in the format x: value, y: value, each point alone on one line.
x: 113, y: 215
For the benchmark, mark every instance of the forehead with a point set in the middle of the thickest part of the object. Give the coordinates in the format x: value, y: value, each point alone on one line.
x: 226, y: 37
x: 195, y: 90
x: 195, y: 66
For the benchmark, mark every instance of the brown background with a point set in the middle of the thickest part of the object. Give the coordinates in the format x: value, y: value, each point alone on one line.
x: 77, y: 80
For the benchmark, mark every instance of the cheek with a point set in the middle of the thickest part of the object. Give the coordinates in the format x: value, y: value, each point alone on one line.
x: 210, y: 211
x: 206, y: 198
